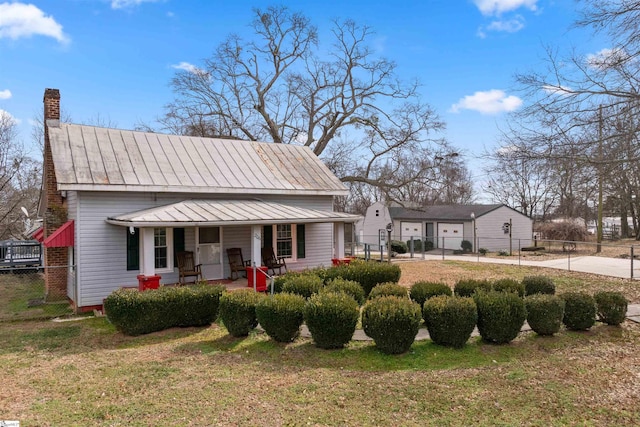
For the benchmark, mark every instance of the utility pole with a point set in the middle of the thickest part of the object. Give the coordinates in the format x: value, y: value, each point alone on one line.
x: 600, y: 180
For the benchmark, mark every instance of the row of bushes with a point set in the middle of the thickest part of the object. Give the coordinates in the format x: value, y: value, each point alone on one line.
x: 366, y: 274
x: 135, y: 313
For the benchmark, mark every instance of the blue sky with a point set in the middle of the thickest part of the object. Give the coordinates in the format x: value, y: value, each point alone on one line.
x: 114, y: 59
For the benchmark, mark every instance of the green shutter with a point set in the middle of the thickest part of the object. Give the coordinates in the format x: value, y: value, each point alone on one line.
x: 133, y: 249
x: 178, y: 243
x: 300, y: 240
x: 267, y: 236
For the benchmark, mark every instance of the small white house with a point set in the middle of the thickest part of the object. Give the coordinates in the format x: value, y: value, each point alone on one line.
x: 493, y: 227
x: 119, y: 205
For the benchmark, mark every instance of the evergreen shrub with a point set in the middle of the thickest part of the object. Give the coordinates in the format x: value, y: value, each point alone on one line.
x: 544, y: 313
x: 388, y: 289
x: 303, y: 284
x: 281, y: 316
x: 399, y: 247
x: 135, y: 313
x: 238, y: 311
x: 367, y: 273
x: 417, y: 245
x: 509, y: 285
x: 612, y: 307
x: 466, y: 246
x: 538, y: 285
x: 450, y: 320
x: 392, y: 322
x: 349, y: 287
x: 579, y: 311
x: 331, y: 318
x: 500, y: 315
x: 468, y: 287
x: 423, y: 290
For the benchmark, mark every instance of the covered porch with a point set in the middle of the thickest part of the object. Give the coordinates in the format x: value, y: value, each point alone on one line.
x: 305, y: 237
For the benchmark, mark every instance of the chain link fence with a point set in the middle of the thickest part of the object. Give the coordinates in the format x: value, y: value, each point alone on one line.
x: 23, y: 294
x: 619, y: 259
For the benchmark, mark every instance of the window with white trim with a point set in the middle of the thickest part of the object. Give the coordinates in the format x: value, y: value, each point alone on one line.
x: 161, y: 248
x: 288, y: 240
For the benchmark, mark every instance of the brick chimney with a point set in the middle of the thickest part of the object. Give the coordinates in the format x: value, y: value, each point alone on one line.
x: 55, y: 259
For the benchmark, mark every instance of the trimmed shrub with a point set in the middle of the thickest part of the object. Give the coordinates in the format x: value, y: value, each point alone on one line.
x: 367, y: 273
x: 538, y: 285
x: 468, y: 287
x: 579, y: 311
x: 392, y: 322
x: 134, y: 313
x: 238, y: 311
x: 612, y: 307
x: 544, y: 313
x: 509, y: 285
x: 399, y: 247
x: 417, y: 245
x: 450, y: 319
x: 422, y: 291
x: 483, y: 251
x: 331, y: 319
x: 279, y: 281
x: 349, y: 287
x: 281, y: 316
x: 428, y: 245
x: 303, y: 284
x: 388, y: 289
x: 500, y: 315
x: 466, y: 246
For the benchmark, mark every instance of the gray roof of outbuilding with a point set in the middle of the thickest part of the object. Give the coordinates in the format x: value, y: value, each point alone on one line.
x: 442, y: 212
x: 100, y: 159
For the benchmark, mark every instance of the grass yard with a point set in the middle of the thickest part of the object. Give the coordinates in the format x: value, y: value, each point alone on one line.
x: 86, y: 373
x: 18, y: 290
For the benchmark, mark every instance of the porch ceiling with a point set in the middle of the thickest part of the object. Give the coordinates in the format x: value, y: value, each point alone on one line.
x: 226, y: 212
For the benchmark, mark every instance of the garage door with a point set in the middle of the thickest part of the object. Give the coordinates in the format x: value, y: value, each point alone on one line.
x: 452, y: 234
x: 409, y: 229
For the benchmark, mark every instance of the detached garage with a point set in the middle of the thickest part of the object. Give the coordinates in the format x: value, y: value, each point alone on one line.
x: 496, y: 226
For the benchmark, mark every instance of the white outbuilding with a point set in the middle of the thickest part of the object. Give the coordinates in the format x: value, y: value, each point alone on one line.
x: 494, y: 227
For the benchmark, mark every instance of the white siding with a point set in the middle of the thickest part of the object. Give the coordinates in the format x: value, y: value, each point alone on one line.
x: 101, y: 247
x: 72, y: 213
x: 373, y: 223
x: 491, y: 235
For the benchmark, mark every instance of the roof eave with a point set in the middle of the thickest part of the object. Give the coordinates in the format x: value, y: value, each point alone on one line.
x: 141, y: 224
x: 197, y: 189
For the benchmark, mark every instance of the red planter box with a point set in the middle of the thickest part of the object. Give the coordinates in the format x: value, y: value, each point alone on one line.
x: 148, y: 282
x: 261, y: 279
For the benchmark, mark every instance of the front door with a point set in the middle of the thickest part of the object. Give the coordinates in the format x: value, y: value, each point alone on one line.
x: 209, y: 249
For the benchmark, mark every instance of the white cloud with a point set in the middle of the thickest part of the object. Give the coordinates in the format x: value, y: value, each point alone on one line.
x: 5, y: 114
x: 497, y: 7
x: 508, y: 26
x: 186, y: 66
x: 557, y: 90
x: 490, y: 102
x: 25, y: 20
x: 125, y: 4
x: 606, y: 58
x: 5, y: 94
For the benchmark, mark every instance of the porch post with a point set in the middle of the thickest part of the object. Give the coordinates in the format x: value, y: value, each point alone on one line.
x: 147, y: 279
x: 338, y: 235
x: 147, y: 252
x: 256, y: 256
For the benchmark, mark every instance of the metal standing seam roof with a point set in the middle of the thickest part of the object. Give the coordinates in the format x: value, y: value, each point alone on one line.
x: 442, y: 212
x: 226, y: 212
x: 100, y: 159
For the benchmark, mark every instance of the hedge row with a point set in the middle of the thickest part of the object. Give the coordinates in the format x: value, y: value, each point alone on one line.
x: 134, y: 313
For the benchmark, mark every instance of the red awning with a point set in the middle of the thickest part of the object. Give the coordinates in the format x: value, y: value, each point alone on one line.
x: 38, y: 234
x: 62, y: 237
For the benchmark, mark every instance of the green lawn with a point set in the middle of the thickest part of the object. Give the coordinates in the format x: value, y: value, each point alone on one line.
x: 86, y: 373
x: 22, y: 297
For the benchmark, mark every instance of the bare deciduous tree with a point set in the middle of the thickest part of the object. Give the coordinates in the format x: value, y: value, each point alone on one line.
x: 278, y: 86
